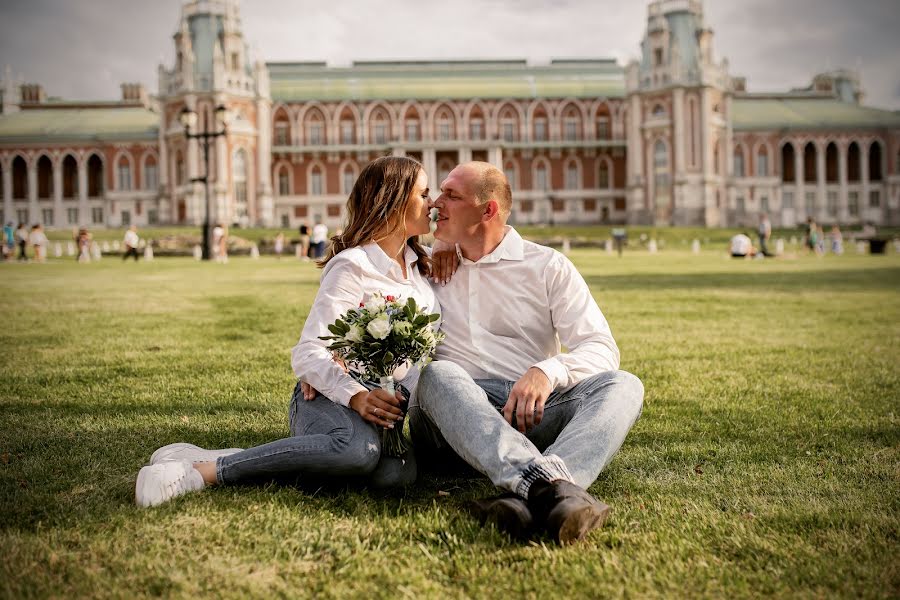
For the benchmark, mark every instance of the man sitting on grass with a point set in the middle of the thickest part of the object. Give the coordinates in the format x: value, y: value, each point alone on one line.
x: 540, y: 423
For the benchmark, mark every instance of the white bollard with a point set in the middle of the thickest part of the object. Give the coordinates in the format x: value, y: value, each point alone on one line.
x: 70, y: 248
x: 298, y: 251
x: 652, y: 247
x: 105, y: 246
x: 198, y: 252
x: 148, y: 253
x: 95, y: 251
x: 779, y: 246
x: 793, y: 241
x: 861, y: 247
x: 695, y: 246
x: 897, y: 245
x: 566, y: 246
x: 115, y: 246
x: 57, y: 250
x: 608, y: 246
x: 254, y: 252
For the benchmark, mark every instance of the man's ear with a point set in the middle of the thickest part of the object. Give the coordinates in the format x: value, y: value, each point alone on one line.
x: 490, y: 210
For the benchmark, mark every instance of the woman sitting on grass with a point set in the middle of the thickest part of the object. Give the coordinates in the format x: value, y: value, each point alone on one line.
x: 335, y: 434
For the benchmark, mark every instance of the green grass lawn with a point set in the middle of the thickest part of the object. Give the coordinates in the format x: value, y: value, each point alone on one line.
x: 766, y: 462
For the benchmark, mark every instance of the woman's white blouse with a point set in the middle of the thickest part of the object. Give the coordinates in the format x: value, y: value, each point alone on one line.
x: 349, y: 278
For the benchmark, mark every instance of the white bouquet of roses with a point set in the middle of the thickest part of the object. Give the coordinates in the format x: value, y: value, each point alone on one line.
x: 377, y: 338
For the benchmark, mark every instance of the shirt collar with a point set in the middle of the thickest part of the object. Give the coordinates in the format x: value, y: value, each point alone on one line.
x: 384, y: 263
x: 510, y: 248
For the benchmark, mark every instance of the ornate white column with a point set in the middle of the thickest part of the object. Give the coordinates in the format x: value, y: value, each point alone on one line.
x: 495, y: 157
x: 635, y: 151
x: 799, y: 191
x: 83, y: 212
x: 8, y: 212
x: 706, y: 150
x: 57, y: 192
x: 843, y: 209
x: 864, y: 184
x: 465, y: 155
x: 821, y: 208
x: 429, y: 163
x: 678, y: 132
x: 34, y: 213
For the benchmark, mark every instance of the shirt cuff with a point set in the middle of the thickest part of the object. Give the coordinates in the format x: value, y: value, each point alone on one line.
x: 343, y: 394
x: 555, y: 371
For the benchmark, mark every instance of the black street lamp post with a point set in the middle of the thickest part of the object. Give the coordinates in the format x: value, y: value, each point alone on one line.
x: 189, y: 121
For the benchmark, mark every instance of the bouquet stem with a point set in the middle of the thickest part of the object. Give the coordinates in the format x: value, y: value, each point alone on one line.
x: 393, y: 442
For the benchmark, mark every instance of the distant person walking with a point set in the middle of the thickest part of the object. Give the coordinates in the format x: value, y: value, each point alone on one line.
x: 131, y: 242
x: 837, y: 240
x: 812, y: 234
x: 765, y: 232
x: 22, y: 241
x: 9, y: 241
x: 279, y: 245
x: 319, y: 238
x: 83, y: 241
x: 304, y: 242
x: 220, y: 244
x: 38, y: 241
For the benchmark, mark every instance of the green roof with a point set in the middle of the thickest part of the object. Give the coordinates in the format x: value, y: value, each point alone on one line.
x: 451, y: 80
x: 79, y: 124
x: 807, y: 113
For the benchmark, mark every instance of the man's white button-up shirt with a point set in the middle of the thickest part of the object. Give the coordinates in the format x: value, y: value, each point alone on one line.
x: 349, y: 278
x: 514, y: 308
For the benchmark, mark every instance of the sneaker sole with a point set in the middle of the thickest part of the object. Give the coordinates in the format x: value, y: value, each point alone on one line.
x: 581, y: 522
x: 140, y: 496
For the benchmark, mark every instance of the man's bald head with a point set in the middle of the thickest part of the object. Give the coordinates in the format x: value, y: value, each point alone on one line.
x: 490, y: 183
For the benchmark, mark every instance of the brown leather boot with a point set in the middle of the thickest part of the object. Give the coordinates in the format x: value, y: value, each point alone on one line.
x: 508, y: 512
x: 566, y: 511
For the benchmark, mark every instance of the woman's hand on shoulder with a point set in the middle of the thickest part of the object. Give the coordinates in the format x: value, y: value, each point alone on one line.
x: 443, y: 265
x: 378, y: 407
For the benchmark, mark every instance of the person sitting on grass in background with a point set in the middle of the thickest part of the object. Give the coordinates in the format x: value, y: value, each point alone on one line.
x: 742, y: 247
x: 38, y: 241
x: 337, y: 434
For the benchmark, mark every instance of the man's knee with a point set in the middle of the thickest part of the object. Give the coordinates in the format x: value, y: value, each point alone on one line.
x: 433, y: 382
x: 631, y: 389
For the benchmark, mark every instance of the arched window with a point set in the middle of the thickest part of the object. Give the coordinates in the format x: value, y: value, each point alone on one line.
x: 875, y: 161
x: 282, y: 130
x: 19, y: 179
x: 445, y: 125
x: 809, y: 163
x: 69, y: 178
x: 604, y: 181
x: 239, y: 180
x: 476, y: 123
x: 348, y: 127
x: 412, y: 126
x: 509, y: 124
x: 348, y: 179
x: 571, y: 121
x: 179, y: 168
x: 573, y: 177
x: 831, y: 163
x: 661, y: 173
x: 123, y: 174
x: 509, y: 170
x: 762, y: 162
x: 150, y: 173
x: 316, y: 181
x: 315, y: 127
x: 659, y: 111
x: 45, y: 177
x: 95, y: 176
x: 853, y: 162
x: 284, y: 181
x: 539, y: 123
x: 738, y: 161
x: 380, y: 126
x: 787, y: 163
x: 540, y: 177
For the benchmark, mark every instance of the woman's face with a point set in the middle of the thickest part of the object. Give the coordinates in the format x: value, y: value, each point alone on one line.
x: 418, y: 218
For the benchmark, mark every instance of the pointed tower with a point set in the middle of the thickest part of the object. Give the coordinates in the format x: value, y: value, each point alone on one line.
x: 213, y: 68
x: 679, y: 132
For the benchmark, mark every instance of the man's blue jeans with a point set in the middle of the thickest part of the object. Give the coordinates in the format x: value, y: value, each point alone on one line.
x: 327, y: 441
x: 581, y: 430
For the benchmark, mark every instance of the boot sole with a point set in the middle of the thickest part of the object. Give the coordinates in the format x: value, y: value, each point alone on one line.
x: 577, y: 525
x: 505, y: 517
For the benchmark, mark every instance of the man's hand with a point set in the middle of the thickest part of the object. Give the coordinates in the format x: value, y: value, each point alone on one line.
x: 526, y: 400
x: 443, y: 266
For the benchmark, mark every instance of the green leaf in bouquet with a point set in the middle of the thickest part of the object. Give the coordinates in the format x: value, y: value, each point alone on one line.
x: 433, y: 317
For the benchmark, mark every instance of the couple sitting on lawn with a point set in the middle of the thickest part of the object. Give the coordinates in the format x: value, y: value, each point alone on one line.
x: 540, y: 423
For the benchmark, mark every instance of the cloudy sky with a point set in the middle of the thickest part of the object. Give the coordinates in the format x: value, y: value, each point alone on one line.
x: 86, y: 48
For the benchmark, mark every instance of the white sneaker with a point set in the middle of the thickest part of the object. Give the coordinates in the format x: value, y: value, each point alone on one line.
x: 162, y: 482
x: 189, y: 452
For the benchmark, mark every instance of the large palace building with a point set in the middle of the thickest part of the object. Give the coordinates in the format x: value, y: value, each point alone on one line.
x: 670, y: 139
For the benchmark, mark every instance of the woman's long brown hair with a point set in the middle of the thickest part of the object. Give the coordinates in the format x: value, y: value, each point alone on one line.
x: 377, y: 206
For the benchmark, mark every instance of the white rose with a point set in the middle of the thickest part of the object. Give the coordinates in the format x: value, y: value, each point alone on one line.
x: 379, y: 327
x: 375, y: 303
x: 402, y: 327
x: 355, y: 334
